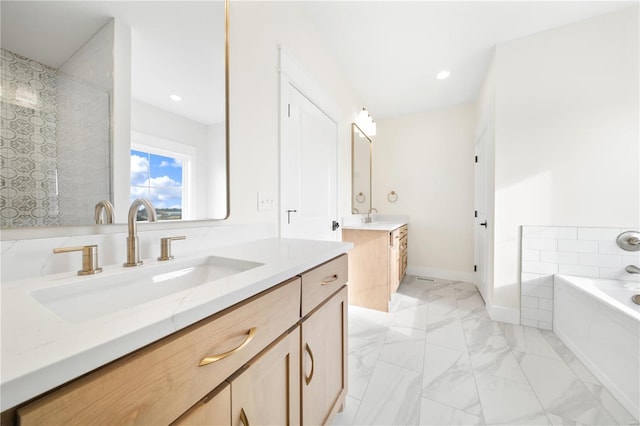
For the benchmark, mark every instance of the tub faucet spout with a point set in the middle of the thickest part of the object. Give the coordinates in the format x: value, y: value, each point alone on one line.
x: 632, y: 269
x: 133, y: 256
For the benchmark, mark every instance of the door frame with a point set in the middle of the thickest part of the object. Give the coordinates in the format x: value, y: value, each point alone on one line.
x: 291, y: 73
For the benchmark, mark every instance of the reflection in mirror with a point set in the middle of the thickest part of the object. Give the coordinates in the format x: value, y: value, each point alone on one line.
x: 360, y: 171
x: 112, y: 100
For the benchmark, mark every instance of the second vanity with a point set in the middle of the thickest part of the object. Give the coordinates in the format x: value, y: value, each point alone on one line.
x: 265, y: 345
x: 377, y: 262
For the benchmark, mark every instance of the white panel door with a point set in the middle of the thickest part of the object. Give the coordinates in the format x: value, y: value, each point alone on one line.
x: 481, y: 224
x: 308, y: 170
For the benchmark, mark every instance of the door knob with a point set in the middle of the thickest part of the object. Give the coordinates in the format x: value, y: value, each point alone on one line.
x: 484, y: 224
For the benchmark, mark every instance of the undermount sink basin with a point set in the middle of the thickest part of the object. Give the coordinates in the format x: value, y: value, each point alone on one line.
x: 87, y: 298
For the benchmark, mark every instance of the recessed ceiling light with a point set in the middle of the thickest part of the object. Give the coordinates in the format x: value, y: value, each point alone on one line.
x: 175, y: 98
x: 443, y: 74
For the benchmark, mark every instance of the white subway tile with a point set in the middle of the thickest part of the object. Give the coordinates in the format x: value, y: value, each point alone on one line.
x: 597, y: 234
x: 610, y: 247
x: 578, y: 246
x: 529, y: 323
x: 539, y: 244
x: 545, y: 325
x: 604, y: 260
x: 532, y: 231
x: 537, y: 291
x: 540, y: 267
x: 631, y: 259
x: 529, y: 255
x: 618, y: 274
x: 529, y: 278
x: 559, y: 233
x: 530, y: 302
x: 535, y: 314
x: 559, y: 257
x: 545, y: 304
x: 579, y: 270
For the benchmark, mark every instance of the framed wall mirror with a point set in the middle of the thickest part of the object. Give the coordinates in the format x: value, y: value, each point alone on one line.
x: 113, y: 100
x: 360, y: 171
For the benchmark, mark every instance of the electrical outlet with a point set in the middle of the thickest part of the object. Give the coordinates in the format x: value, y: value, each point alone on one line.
x: 266, y: 201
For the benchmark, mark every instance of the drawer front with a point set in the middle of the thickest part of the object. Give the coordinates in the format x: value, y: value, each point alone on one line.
x: 320, y: 283
x: 156, y: 384
x: 403, y: 245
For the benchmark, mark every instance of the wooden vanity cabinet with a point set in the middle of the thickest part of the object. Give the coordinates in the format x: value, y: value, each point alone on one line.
x: 324, y: 361
x: 241, y: 366
x: 398, y: 257
x: 266, y: 391
x: 157, y: 384
x: 213, y: 410
x: 377, y: 264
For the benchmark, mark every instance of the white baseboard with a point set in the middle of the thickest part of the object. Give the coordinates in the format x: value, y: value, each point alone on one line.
x: 443, y: 274
x: 502, y: 314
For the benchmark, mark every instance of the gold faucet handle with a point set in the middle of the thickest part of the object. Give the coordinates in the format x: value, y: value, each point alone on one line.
x: 89, y: 258
x: 165, y: 247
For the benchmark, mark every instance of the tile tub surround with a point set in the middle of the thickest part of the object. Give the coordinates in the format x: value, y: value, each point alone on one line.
x: 584, y: 252
x: 41, y: 351
x: 438, y: 359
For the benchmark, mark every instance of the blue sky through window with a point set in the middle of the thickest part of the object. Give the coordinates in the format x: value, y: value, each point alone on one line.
x: 158, y: 178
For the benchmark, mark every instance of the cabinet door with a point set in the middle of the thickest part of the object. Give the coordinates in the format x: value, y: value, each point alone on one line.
x: 324, y: 355
x: 268, y: 391
x: 213, y: 410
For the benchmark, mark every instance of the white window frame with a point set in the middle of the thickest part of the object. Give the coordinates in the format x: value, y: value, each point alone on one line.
x: 181, y: 151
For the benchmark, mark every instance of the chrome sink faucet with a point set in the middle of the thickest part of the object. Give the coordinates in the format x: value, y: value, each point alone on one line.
x: 133, y: 255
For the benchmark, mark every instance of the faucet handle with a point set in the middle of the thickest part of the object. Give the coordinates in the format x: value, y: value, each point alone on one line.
x: 165, y: 247
x: 89, y: 258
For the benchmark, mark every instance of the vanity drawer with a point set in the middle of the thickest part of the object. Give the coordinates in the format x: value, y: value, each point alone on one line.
x: 158, y: 383
x: 321, y: 282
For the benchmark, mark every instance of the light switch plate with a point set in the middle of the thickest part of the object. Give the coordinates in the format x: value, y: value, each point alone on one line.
x: 266, y: 201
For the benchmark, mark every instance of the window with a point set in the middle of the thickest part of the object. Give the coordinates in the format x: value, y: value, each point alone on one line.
x: 158, y: 178
x: 161, y: 171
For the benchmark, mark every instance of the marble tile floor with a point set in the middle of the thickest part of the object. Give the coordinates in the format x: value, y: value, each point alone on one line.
x: 438, y: 359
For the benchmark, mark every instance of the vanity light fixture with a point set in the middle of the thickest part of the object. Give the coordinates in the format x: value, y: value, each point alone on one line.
x: 366, y: 123
x: 443, y: 74
x: 175, y: 98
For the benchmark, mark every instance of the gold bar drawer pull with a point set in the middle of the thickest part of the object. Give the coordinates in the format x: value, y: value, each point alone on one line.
x: 211, y: 359
x: 329, y: 280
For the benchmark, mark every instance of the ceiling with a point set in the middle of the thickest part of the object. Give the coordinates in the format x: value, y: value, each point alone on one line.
x: 390, y: 51
x: 166, y: 37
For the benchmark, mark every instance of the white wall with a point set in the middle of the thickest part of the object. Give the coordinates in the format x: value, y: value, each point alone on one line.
x: 206, y: 140
x: 427, y: 159
x: 566, y: 135
x: 256, y: 30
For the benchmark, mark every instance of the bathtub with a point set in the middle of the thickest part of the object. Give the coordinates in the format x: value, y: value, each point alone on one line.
x: 597, y: 320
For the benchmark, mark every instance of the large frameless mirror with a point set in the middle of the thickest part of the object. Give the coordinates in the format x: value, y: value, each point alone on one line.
x: 360, y: 171
x: 113, y: 100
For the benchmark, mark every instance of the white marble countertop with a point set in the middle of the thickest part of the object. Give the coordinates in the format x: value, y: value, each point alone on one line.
x: 375, y: 226
x: 41, y: 351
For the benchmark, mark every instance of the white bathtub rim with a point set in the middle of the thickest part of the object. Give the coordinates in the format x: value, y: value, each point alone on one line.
x: 587, y: 286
